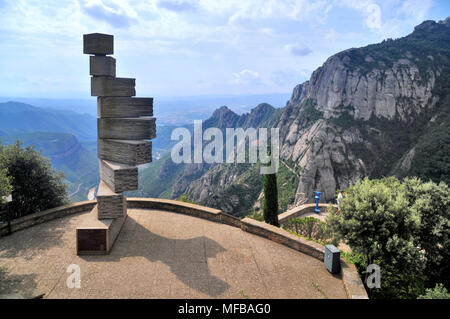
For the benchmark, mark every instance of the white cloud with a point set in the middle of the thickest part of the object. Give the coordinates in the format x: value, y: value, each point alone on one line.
x: 245, y: 77
x: 115, y: 13
x: 385, y: 16
x: 172, y: 44
x: 297, y: 10
x: 178, y: 5
x: 369, y: 9
x: 416, y: 9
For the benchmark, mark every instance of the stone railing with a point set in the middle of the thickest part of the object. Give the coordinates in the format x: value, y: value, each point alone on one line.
x: 350, y: 277
x: 301, y: 210
x: 47, y: 215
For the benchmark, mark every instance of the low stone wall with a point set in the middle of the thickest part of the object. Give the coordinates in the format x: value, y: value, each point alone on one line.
x: 351, y: 280
x: 301, y: 210
x: 47, y: 215
x: 184, y: 208
x: 283, y: 237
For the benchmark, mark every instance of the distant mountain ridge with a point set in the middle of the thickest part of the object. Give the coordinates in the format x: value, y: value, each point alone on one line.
x: 66, y: 154
x: 18, y: 117
x: 163, y: 178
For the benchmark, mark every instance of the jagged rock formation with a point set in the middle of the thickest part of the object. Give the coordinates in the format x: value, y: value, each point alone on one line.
x: 357, y: 110
x: 375, y: 111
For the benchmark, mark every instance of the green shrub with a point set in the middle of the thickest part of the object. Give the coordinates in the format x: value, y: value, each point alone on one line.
x: 256, y: 216
x: 5, y: 184
x: 310, y: 227
x: 438, y: 292
x: 184, y: 198
x: 402, y: 227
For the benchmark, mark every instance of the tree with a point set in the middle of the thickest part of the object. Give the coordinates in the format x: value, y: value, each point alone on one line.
x: 432, y: 202
x: 377, y: 221
x: 36, y: 186
x: 270, y: 203
x: 5, y: 185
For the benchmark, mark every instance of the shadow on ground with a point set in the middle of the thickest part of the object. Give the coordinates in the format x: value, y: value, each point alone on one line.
x: 35, y: 241
x: 186, y: 258
x: 16, y: 286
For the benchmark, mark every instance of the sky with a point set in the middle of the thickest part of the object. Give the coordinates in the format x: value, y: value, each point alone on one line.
x: 192, y: 47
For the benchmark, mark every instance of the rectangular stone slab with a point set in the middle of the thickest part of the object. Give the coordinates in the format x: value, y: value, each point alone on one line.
x: 102, y: 66
x: 97, y: 236
x: 109, y: 86
x: 98, y: 43
x: 110, y: 204
x: 119, y: 177
x: 125, y: 151
x: 127, y: 129
x: 123, y: 107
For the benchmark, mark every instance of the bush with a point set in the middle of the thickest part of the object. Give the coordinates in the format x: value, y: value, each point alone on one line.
x: 310, y: 227
x: 438, y: 292
x: 402, y: 227
x: 36, y: 186
x: 184, y: 198
x: 5, y: 185
x: 431, y: 202
x: 256, y: 216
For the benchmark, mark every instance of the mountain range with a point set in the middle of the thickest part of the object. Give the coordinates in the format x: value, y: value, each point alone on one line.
x: 379, y: 110
x: 67, y: 138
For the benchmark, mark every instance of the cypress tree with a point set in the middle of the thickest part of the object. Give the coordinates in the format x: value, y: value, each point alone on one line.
x: 270, y: 203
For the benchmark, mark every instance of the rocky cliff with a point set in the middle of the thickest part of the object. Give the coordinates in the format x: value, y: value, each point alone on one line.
x: 380, y: 110
x: 363, y: 112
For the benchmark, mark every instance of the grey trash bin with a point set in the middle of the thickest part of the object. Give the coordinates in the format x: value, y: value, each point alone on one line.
x: 332, y: 259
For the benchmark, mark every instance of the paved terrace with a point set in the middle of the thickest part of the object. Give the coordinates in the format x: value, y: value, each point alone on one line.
x: 160, y: 254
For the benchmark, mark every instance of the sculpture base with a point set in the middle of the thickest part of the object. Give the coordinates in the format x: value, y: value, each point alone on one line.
x: 97, y: 236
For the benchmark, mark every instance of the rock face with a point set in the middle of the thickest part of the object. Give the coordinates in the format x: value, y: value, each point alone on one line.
x: 381, y: 92
x: 338, y: 126
x: 206, y: 176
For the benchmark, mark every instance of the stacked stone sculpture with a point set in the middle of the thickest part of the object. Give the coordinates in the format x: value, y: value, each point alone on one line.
x: 124, y: 127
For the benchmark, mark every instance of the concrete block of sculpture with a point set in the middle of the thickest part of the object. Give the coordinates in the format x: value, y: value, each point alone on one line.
x: 125, y: 151
x: 98, y: 43
x: 110, y: 204
x: 102, y: 66
x: 124, y: 107
x: 109, y: 86
x: 119, y: 177
x: 128, y: 129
